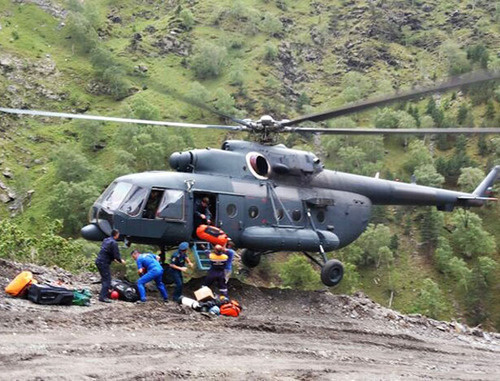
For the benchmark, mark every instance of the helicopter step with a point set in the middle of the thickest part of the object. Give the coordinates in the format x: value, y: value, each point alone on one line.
x: 201, y: 251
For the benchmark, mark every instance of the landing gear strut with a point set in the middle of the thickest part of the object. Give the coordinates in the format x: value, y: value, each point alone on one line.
x: 250, y: 258
x: 332, y: 270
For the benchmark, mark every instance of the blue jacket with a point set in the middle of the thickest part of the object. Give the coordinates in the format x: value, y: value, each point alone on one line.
x: 149, y: 262
x: 109, y: 251
x: 229, y: 264
x: 178, y: 259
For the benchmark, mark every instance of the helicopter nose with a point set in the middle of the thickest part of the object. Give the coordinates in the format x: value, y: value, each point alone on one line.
x: 92, y: 232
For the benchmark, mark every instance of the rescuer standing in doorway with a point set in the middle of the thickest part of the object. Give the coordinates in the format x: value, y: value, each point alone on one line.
x: 109, y: 252
x: 178, y: 266
x: 150, y: 269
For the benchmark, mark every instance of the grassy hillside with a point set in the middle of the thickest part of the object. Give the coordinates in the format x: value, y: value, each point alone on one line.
x: 248, y: 58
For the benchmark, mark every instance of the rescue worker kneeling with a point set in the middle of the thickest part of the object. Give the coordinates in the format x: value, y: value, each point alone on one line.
x: 218, y: 260
x: 150, y: 269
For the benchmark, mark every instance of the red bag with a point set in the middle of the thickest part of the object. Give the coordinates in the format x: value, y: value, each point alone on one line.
x: 212, y: 234
x: 232, y: 308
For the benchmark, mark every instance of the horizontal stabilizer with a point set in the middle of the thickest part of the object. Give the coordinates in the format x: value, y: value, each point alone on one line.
x: 478, y: 198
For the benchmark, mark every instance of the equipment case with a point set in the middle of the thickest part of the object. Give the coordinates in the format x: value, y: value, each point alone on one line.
x: 46, y: 294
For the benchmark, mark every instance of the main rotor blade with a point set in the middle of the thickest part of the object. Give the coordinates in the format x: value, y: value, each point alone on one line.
x: 393, y: 131
x: 183, y: 98
x: 469, y: 79
x: 119, y: 120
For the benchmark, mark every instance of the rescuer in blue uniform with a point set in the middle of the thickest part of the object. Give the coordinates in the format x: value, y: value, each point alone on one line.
x: 229, y: 264
x: 218, y: 261
x: 150, y: 269
x: 178, y: 266
x: 109, y: 252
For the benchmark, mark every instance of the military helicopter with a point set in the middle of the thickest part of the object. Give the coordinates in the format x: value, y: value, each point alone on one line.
x: 265, y: 196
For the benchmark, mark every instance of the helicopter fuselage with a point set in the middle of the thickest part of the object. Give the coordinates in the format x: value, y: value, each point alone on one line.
x: 266, y: 198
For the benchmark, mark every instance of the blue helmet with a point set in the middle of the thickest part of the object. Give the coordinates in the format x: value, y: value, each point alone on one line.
x: 184, y: 246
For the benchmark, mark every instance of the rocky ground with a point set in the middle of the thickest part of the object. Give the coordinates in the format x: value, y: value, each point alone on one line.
x: 281, y: 335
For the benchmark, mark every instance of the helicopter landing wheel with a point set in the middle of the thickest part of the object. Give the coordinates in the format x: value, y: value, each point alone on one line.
x: 250, y: 258
x: 332, y: 272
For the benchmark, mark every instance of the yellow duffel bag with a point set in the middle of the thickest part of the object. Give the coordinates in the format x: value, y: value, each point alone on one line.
x: 20, y: 284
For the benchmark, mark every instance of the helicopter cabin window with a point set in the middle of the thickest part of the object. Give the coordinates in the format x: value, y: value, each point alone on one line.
x: 280, y: 213
x: 172, y: 205
x: 115, y: 194
x: 296, y: 215
x: 231, y: 210
x: 320, y: 216
x: 151, y: 209
x: 253, y: 212
x: 133, y: 203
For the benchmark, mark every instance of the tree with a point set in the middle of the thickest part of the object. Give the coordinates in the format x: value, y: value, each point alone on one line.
x: 386, y: 118
x: 70, y: 164
x: 478, y: 296
x: 427, y: 175
x: 418, y: 155
x: 356, y: 86
x: 469, y: 238
x: 430, y: 301
x: 71, y: 202
x: 372, y: 241
x: 298, y: 273
x: 90, y: 133
x: 455, y: 58
x: 470, y: 178
x: 430, y: 224
x: 209, y: 61
x: 224, y: 102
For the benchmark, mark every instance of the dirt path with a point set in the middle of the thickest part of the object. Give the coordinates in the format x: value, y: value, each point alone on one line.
x: 281, y: 335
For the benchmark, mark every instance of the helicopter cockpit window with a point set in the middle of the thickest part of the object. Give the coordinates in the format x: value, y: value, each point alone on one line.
x: 172, y: 205
x: 115, y: 195
x: 133, y: 203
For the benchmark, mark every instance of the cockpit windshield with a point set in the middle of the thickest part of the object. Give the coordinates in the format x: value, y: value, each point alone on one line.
x: 114, y: 195
x: 134, y: 201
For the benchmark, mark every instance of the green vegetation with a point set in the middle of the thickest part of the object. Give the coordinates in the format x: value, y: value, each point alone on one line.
x: 247, y: 58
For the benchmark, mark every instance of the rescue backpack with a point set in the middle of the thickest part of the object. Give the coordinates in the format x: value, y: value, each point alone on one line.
x: 126, y: 291
x: 232, y: 308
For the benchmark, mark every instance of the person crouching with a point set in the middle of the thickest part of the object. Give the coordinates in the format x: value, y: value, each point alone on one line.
x: 150, y: 269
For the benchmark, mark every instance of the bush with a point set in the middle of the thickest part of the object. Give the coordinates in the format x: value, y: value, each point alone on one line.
x: 70, y: 164
x: 187, y: 19
x: 46, y: 248
x: 298, y: 273
x: 270, y: 51
x: 209, y: 61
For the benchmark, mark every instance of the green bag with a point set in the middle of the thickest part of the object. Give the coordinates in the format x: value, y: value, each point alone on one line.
x: 81, y: 297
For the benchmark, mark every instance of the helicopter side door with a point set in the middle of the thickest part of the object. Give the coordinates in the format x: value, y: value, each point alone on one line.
x: 231, y: 217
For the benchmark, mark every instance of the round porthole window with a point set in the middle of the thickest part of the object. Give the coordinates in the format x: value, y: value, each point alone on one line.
x: 231, y: 210
x: 253, y: 212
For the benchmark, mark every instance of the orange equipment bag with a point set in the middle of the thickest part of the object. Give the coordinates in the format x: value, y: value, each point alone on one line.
x: 212, y: 234
x: 232, y: 308
x: 20, y: 284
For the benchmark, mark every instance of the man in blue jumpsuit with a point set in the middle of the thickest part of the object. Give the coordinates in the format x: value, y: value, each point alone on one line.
x: 109, y: 253
x: 178, y: 266
x: 149, y: 269
x: 229, y: 264
x: 218, y: 260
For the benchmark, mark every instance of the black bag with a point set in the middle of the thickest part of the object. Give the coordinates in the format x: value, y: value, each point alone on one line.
x: 167, y: 278
x: 126, y: 290
x: 47, y: 294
